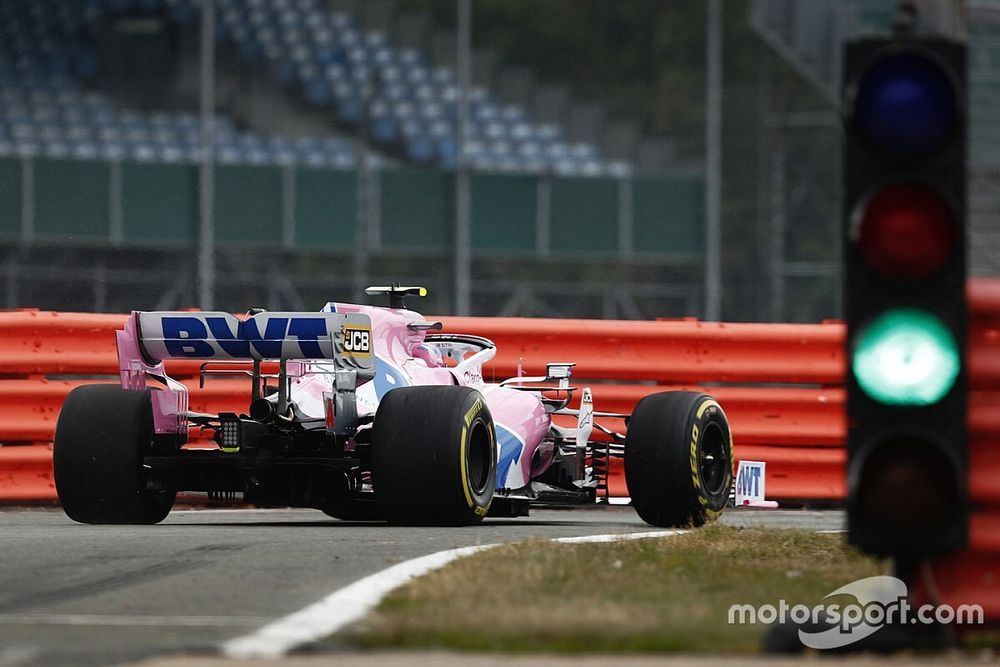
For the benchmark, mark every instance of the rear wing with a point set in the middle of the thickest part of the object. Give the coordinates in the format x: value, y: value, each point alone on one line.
x: 345, y: 338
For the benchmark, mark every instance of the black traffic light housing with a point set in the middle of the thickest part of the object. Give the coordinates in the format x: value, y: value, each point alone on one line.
x: 904, y: 238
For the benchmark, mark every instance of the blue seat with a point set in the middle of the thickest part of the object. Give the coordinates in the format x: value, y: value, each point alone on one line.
x: 522, y: 131
x: 375, y: 39
x: 315, y: 158
x: 171, y: 154
x: 582, y: 151
x: 284, y: 71
x: 443, y: 76
x: 412, y: 127
x: 27, y: 148
x: 389, y: 74
x: 137, y: 135
x: 348, y: 161
x: 557, y: 151
x: 113, y: 150
x: 258, y: 155
x: 441, y: 129
x: 56, y: 149
x: 618, y: 169
x: 425, y: 92
x: 341, y: 21
x: 404, y: 110
x: 86, y: 150
x: 143, y: 152
x: 397, y: 92
x: 447, y: 153
x: 432, y: 111
x: 548, y: 132
x: 318, y: 93
x: 78, y: 132
x: 384, y: 129
x: 228, y: 154
x: 565, y: 167
x: 284, y: 156
x: 360, y: 74
x: 420, y: 149
x: 484, y: 111
x: 415, y: 74
x: 249, y: 141
x: 530, y: 150
x: 165, y: 135
x: 495, y: 131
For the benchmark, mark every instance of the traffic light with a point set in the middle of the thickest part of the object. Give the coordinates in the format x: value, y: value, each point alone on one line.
x: 904, y: 105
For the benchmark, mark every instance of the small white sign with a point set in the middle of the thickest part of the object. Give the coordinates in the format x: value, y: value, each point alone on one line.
x: 750, y: 485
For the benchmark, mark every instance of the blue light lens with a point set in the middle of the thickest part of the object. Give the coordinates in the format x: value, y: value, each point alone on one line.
x: 906, y: 106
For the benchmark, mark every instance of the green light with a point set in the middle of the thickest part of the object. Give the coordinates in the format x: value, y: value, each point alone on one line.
x: 906, y: 356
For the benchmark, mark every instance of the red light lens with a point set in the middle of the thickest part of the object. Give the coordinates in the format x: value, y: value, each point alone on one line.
x: 908, y: 488
x: 907, y: 232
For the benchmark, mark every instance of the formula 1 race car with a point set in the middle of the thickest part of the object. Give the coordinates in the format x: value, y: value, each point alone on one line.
x: 373, y: 414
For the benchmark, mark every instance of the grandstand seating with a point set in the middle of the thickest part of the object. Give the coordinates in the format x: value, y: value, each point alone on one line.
x: 58, y: 120
x: 405, y: 104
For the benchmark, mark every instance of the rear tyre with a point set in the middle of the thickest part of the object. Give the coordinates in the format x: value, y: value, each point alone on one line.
x: 678, y: 459
x: 434, y: 456
x: 101, y: 437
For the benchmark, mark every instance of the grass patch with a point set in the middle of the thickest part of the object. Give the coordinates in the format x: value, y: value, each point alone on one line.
x: 670, y: 594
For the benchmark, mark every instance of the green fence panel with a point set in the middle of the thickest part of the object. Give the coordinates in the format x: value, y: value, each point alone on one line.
x: 417, y: 209
x: 159, y: 203
x: 584, y: 215
x: 71, y: 199
x: 667, y: 215
x: 10, y: 198
x: 503, y: 212
x: 248, y: 204
x: 324, y: 208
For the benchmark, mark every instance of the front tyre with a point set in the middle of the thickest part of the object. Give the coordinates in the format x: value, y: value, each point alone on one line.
x: 434, y: 456
x: 678, y: 459
x: 102, y: 435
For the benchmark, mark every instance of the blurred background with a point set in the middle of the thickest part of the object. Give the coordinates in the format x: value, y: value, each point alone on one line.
x: 575, y: 158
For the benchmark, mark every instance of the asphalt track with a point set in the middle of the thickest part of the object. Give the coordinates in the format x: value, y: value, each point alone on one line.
x: 96, y: 595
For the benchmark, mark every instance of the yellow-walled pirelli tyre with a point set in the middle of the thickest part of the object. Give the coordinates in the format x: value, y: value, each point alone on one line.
x: 102, y: 434
x: 434, y: 456
x: 678, y: 459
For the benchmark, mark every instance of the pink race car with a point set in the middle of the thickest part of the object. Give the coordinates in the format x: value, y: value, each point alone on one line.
x: 371, y: 416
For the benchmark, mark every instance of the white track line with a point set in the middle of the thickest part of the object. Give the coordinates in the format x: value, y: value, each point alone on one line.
x: 352, y: 602
x: 621, y: 537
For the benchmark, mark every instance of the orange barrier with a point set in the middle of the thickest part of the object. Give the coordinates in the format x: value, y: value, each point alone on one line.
x: 678, y: 351
x: 42, y: 342
x: 26, y: 474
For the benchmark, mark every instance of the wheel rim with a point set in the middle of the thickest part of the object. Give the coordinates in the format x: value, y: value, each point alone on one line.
x: 712, y: 459
x: 479, y: 462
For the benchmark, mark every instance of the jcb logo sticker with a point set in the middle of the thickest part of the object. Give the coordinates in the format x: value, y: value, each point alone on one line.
x: 357, y: 341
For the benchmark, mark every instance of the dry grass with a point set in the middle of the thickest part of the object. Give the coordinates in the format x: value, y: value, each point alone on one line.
x: 647, y: 595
